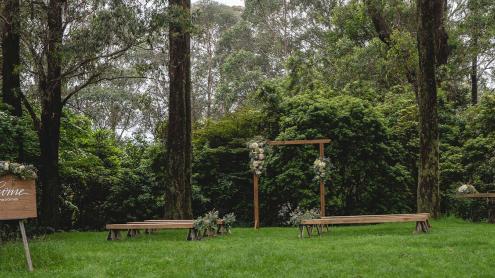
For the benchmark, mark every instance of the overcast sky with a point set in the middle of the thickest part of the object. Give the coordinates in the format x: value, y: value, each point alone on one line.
x: 228, y: 2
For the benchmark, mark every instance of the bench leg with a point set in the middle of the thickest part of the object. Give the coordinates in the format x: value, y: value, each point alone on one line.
x: 193, y: 234
x: 301, y: 231
x: 132, y: 232
x: 422, y: 227
x: 418, y: 227
x: 425, y: 227
x: 309, y: 229
x: 319, y: 229
x: 221, y: 229
x: 113, y: 235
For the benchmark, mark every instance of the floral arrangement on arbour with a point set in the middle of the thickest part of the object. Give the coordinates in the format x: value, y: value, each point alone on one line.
x: 322, y: 168
x: 22, y: 171
x: 257, y: 153
x: 466, y: 189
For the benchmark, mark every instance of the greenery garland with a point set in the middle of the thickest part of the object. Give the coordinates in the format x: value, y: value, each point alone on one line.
x: 22, y: 171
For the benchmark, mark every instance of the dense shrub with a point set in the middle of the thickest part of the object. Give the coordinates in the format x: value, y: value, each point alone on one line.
x: 105, y: 181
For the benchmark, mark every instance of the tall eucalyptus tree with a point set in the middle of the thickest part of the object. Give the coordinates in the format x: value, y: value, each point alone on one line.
x: 71, y: 46
x: 11, y: 62
x: 178, y: 204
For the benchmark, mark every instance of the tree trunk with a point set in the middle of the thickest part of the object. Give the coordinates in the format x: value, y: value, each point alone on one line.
x: 374, y: 11
x: 209, y: 87
x: 178, y: 194
x: 11, y: 81
x: 474, y: 80
x: 428, y: 197
x: 49, y: 129
x: 474, y: 11
x: 49, y: 137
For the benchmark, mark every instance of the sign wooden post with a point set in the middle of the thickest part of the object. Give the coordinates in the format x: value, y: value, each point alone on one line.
x: 18, y: 202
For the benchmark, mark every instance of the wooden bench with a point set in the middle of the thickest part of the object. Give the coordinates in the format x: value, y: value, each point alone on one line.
x: 149, y: 226
x: 421, y: 219
x: 490, y: 199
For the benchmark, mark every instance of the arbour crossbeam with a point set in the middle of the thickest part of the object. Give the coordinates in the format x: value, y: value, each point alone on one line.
x: 321, y: 143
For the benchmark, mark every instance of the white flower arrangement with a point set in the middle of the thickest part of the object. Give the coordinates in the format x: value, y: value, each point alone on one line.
x: 298, y: 215
x: 22, y: 171
x: 228, y: 220
x: 207, y: 225
x: 466, y: 189
x: 321, y: 168
x: 257, y: 154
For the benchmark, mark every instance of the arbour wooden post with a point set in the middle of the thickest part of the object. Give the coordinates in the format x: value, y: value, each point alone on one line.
x: 256, y: 202
x: 322, y: 186
x: 321, y: 143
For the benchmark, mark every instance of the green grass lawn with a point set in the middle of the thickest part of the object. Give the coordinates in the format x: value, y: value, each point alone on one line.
x: 453, y: 248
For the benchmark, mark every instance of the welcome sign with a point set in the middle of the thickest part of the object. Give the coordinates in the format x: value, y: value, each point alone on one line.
x: 17, y: 198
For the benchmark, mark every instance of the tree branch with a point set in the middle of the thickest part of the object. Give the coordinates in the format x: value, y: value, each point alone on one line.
x: 93, y: 79
x: 442, y: 48
x: 29, y: 108
x: 381, y: 26
x: 81, y: 64
x: 88, y: 82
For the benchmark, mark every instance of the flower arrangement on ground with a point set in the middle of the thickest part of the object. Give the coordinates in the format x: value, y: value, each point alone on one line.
x: 207, y: 225
x: 298, y: 215
x: 228, y: 220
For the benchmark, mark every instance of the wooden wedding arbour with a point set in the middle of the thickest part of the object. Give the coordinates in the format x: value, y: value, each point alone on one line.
x: 321, y: 143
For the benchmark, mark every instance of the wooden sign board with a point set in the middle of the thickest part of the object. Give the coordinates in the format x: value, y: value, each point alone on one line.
x: 17, y: 198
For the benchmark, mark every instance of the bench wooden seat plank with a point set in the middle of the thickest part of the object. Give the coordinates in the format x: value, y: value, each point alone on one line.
x: 421, y: 219
x: 476, y: 195
x: 133, y: 229
x: 153, y: 225
x: 365, y: 219
x: 219, y: 221
x: 141, y: 226
x: 377, y: 215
